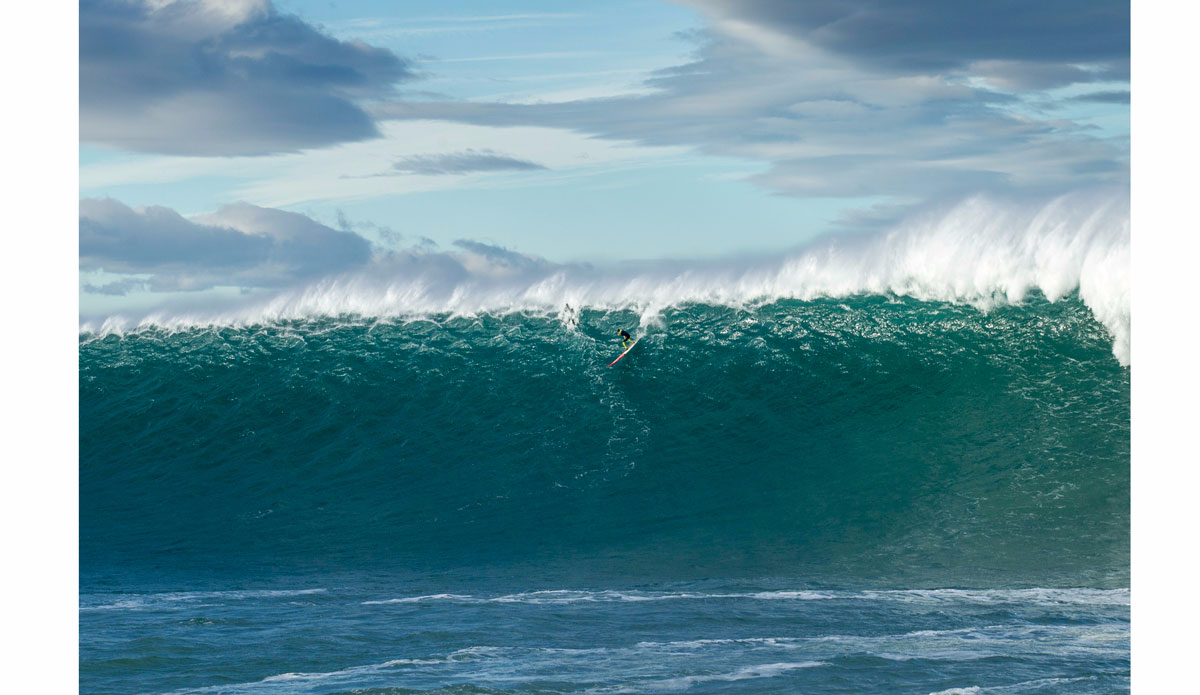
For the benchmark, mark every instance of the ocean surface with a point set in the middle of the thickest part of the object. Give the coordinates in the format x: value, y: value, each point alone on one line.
x: 870, y: 493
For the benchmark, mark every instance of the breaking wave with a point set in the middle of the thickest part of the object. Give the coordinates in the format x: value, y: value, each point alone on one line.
x: 981, y: 252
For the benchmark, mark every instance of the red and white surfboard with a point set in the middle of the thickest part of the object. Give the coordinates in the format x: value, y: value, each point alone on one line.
x: 635, y: 342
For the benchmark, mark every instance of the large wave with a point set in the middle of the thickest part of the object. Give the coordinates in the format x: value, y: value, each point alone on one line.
x: 982, y: 251
x: 859, y: 440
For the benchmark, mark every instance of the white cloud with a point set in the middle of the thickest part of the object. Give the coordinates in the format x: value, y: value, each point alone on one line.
x: 222, y: 77
x: 239, y: 245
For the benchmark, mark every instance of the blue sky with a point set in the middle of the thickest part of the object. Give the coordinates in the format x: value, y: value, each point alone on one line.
x: 583, y: 131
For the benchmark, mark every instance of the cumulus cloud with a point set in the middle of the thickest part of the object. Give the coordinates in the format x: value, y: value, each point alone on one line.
x: 240, y: 245
x: 466, y: 162
x: 222, y: 77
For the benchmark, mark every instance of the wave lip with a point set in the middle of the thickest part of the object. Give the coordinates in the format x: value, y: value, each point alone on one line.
x: 982, y: 252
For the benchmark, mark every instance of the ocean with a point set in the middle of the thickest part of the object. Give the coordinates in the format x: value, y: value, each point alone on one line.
x: 887, y: 464
x: 865, y: 494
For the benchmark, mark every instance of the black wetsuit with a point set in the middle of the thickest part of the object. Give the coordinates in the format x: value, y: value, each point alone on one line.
x: 625, y: 338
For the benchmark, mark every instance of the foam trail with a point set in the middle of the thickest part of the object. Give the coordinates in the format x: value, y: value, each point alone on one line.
x: 982, y: 251
x: 1034, y: 596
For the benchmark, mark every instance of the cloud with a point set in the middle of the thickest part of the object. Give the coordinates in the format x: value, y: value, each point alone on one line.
x: 116, y: 287
x: 938, y: 35
x: 491, y: 260
x: 867, y: 175
x: 222, y: 77
x: 466, y: 162
x: 1110, y: 97
x: 827, y: 126
x: 849, y: 98
x: 239, y: 245
x: 1017, y: 75
x: 386, y: 234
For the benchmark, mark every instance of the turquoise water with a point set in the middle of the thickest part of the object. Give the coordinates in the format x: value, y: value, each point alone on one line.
x: 861, y: 495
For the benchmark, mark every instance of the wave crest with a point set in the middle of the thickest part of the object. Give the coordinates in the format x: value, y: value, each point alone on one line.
x: 981, y: 251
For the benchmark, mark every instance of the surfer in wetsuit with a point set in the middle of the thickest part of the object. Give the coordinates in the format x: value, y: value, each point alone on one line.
x: 625, y: 338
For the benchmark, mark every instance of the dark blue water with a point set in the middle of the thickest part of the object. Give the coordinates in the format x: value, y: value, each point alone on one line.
x: 867, y: 495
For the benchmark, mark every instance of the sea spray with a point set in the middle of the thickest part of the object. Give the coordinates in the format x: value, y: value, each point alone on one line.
x: 982, y: 252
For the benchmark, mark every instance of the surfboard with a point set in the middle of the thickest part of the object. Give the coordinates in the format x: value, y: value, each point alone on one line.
x: 631, y: 345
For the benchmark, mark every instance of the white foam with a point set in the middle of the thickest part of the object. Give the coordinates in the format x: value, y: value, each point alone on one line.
x: 1034, y: 685
x: 545, y: 597
x: 759, y: 671
x: 1037, y: 596
x: 983, y: 252
x: 655, y: 666
x: 784, y: 642
x: 167, y: 599
x: 792, y: 595
x: 419, y: 599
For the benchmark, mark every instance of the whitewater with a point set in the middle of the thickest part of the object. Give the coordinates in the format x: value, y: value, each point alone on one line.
x: 981, y: 251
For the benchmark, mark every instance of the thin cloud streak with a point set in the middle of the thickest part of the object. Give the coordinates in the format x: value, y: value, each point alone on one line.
x: 469, y: 161
x: 524, y: 56
x: 394, y: 27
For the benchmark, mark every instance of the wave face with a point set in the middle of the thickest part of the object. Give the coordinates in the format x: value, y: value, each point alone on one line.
x: 866, y: 442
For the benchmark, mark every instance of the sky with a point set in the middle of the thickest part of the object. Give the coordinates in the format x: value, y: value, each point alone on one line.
x: 234, y: 146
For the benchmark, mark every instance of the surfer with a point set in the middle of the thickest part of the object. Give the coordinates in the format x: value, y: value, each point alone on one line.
x: 625, y: 338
